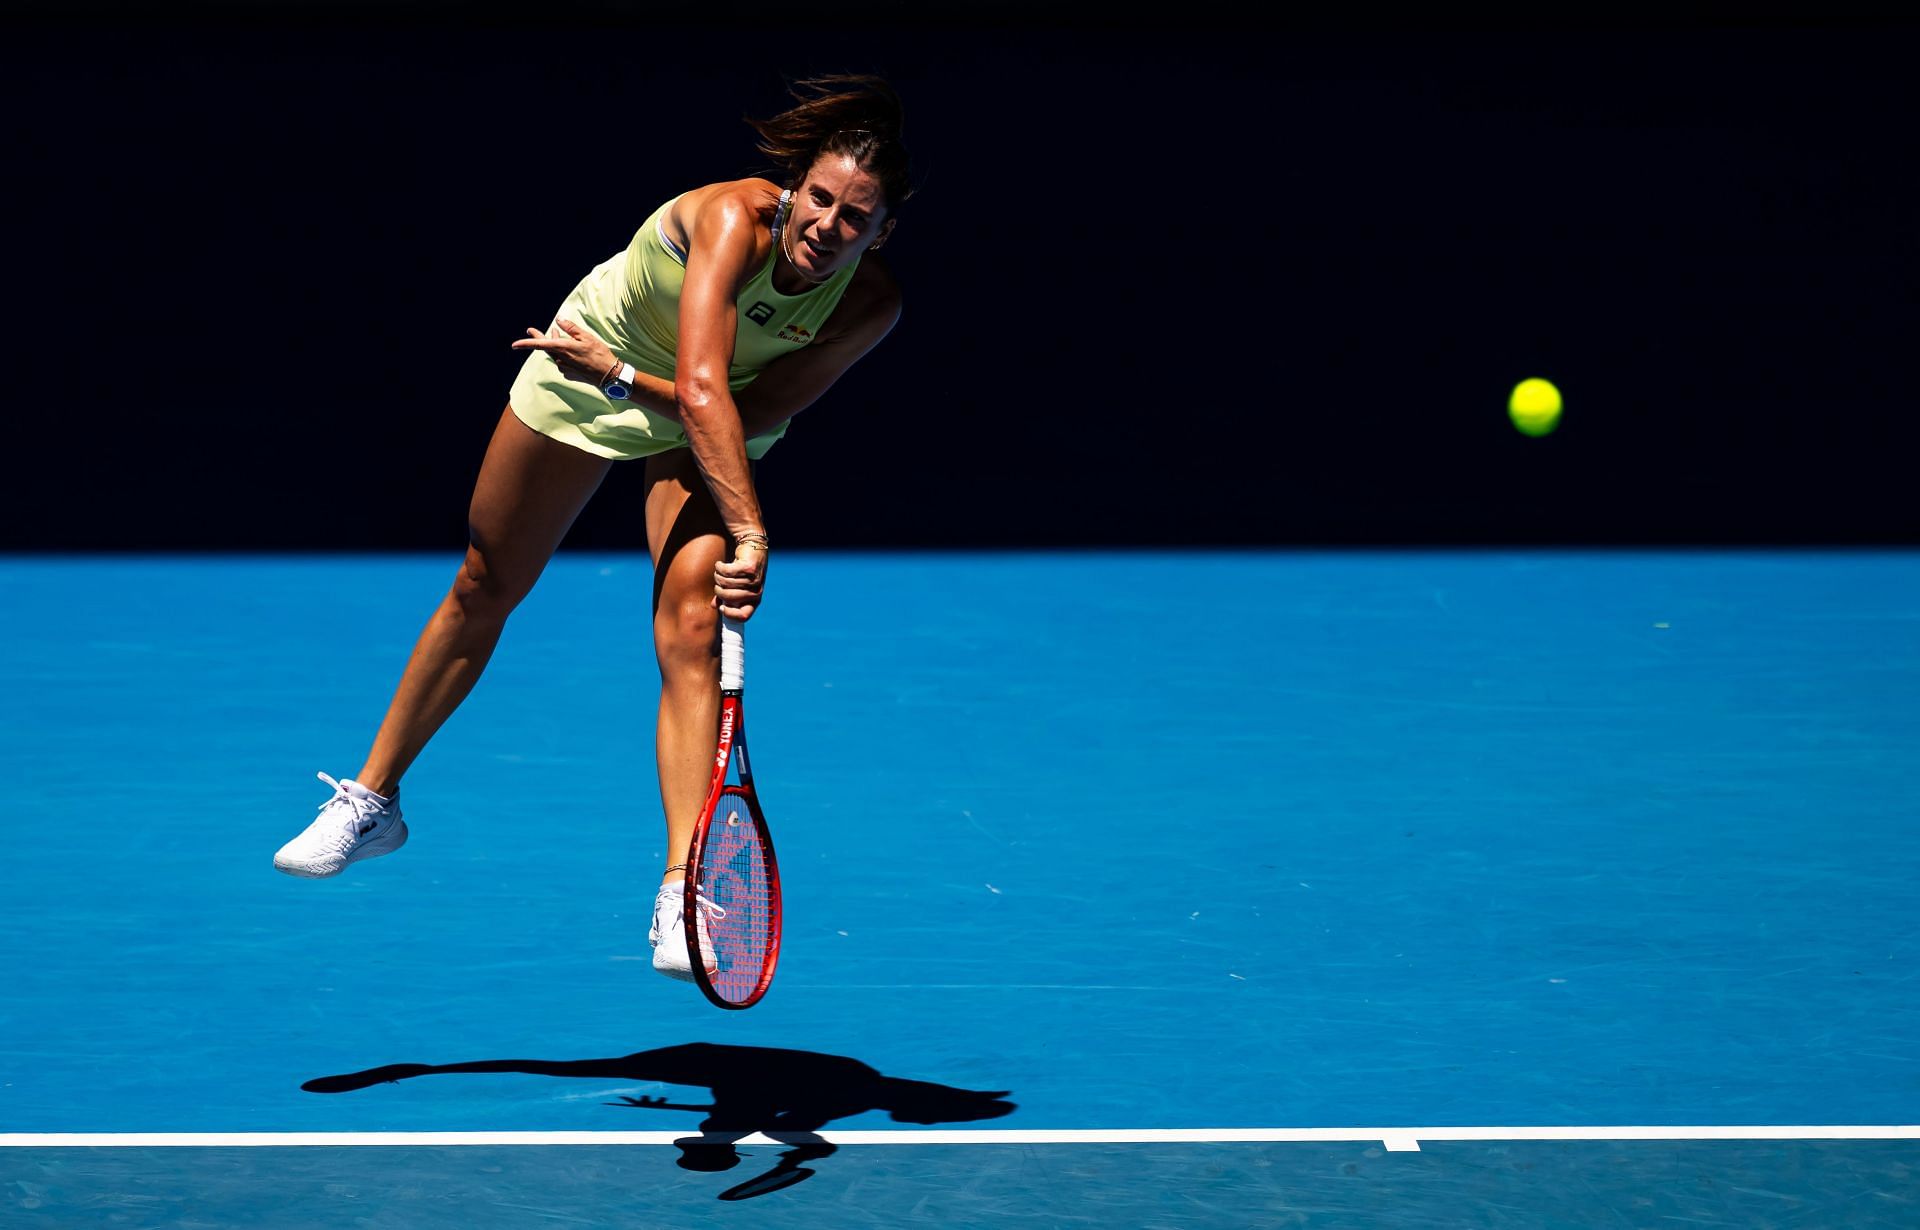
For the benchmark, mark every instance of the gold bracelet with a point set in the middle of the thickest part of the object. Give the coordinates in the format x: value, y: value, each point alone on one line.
x: 757, y: 540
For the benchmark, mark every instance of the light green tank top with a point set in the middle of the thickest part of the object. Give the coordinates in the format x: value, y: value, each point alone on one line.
x: 644, y: 299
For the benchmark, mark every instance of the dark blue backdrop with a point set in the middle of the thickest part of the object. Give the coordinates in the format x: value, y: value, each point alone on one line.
x: 1166, y: 283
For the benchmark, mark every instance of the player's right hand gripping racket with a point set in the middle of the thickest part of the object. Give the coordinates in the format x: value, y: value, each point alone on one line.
x: 733, y: 884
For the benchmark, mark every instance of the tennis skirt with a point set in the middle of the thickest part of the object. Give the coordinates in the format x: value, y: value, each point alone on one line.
x: 576, y: 412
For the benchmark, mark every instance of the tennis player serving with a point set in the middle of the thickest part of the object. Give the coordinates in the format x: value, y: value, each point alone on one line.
x: 736, y: 306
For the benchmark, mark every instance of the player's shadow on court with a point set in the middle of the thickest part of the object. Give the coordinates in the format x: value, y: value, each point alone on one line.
x: 786, y: 1095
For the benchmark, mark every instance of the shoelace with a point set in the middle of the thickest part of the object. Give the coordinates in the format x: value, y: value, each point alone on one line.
x: 714, y: 910
x: 349, y: 831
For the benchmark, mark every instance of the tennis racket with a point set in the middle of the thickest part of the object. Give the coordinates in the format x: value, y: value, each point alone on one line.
x: 733, y: 883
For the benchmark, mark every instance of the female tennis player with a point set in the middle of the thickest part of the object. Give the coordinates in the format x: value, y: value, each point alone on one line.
x: 734, y: 308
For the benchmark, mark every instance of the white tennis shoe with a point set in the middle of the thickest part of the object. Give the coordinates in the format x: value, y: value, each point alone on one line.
x: 669, y: 934
x: 353, y: 825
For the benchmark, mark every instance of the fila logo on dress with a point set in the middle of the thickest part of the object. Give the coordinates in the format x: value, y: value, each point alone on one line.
x: 760, y: 313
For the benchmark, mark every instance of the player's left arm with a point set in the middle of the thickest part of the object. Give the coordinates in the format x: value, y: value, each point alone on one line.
x: 791, y: 383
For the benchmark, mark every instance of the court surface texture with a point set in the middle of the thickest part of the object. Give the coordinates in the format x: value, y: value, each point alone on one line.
x: 1379, y: 889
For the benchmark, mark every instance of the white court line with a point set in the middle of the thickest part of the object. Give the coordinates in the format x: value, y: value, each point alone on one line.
x: 1396, y: 1139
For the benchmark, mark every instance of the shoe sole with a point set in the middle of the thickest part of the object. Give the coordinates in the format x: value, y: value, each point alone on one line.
x: 681, y: 973
x: 675, y: 973
x: 385, y: 844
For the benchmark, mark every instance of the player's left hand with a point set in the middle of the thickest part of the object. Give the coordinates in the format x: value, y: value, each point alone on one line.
x: 737, y: 582
x: 579, y: 354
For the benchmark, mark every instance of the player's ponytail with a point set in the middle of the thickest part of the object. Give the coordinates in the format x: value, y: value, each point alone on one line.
x: 841, y: 113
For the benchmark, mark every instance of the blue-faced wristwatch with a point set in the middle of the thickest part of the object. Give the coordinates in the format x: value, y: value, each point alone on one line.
x: 620, y: 388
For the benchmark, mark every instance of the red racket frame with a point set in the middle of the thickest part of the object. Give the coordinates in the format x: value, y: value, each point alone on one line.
x: 733, y: 742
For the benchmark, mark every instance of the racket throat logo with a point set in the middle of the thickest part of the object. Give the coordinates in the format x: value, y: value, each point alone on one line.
x: 726, y: 738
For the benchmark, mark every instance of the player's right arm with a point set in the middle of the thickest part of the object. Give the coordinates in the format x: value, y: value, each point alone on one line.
x: 719, y: 263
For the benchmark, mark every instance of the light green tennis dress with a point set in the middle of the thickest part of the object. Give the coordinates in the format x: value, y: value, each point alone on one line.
x: 632, y: 303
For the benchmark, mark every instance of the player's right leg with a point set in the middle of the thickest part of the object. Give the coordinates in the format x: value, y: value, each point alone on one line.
x: 530, y: 490
x: 687, y: 538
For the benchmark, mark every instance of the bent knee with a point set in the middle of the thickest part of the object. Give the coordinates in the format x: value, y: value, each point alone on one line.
x: 487, y: 588
x: 686, y: 633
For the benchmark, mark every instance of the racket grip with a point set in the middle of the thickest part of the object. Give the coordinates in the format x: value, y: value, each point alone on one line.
x: 733, y: 655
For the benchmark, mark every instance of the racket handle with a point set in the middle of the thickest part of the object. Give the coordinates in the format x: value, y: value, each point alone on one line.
x: 733, y: 655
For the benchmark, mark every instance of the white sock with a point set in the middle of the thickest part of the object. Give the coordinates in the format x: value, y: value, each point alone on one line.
x: 384, y: 801
x: 678, y: 886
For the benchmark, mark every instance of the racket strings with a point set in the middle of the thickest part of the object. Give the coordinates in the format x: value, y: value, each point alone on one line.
x: 734, y: 879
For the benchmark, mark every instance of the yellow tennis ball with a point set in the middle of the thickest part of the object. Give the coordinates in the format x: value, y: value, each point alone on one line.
x: 1534, y: 407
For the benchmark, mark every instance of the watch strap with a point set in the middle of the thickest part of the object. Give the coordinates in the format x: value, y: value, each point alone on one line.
x: 621, y: 385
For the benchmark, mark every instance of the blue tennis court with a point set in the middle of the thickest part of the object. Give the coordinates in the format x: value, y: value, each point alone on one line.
x: 1111, y: 880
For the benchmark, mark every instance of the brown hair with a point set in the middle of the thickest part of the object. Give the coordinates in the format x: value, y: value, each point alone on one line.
x: 840, y: 113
